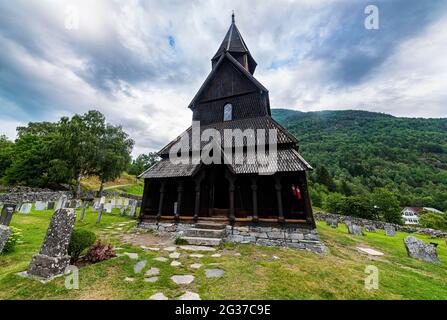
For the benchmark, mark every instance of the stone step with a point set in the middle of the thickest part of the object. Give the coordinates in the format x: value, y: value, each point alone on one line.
x: 208, y: 225
x: 210, y: 242
x: 205, y: 233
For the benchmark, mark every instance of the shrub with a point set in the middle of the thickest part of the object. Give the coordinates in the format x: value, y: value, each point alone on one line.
x: 100, y: 252
x: 80, y: 240
x: 14, y: 238
x: 433, y: 220
x: 180, y: 241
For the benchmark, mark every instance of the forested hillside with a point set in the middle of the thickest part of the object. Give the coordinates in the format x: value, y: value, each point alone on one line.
x: 363, y: 151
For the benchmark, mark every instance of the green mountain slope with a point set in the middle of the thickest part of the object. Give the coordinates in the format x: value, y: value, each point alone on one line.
x: 369, y: 150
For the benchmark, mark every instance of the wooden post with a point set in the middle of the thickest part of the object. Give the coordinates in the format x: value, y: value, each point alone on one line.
x: 306, y: 198
x: 254, y: 189
x: 180, y: 190
x: 198, y: 182
x: 162, y: 195
x: 278, y: 188
x: 232, y: 188
x: 145, y: 199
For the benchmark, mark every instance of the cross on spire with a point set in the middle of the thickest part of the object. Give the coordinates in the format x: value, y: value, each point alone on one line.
x: 232, y: 18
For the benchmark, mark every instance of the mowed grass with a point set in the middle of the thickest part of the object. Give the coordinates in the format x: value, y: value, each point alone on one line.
x: 257, y: 273
x: 134, y: 189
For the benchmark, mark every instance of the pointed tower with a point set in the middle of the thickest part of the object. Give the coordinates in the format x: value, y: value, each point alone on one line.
x: 234, y: 44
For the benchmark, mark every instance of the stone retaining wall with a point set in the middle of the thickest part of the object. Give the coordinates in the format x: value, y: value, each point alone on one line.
x: 380, y: 224
x: 272, y: 236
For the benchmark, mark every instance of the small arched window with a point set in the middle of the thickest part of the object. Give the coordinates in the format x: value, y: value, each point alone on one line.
x: 228, y: 112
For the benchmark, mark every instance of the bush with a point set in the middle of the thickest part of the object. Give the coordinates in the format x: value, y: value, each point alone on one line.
x: 14, y: 238
x: 100, y: 252
x: 180, y: 241
x: 80, y: 240
x: 433, y: 220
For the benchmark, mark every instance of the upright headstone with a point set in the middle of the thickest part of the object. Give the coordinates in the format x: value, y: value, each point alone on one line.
x: 40, y: 206
x: 123, y: 211
x: 133, y: 209
x: 355, y: 229
x: 51, y: 205
x: 370, y: 228
x: 119, y: 203
x: 108, y: 207
x: 102, y: 200
x: 53, y: 259
x: 390, y: 231
x: 83, y: 207
x: 61, y: 202
x: 6, y: 214
x: 112, y: 202
x: 126, y: 202
x: 420, y: 250
x: 333, y: 223
x: 5, y: 232
x: 25, y: 208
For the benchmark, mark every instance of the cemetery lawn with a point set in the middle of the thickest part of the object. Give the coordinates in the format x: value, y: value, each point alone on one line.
x: 257, y: 273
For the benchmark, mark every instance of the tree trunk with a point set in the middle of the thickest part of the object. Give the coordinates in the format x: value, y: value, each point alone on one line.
x: 78, y: 186
x: 101, y: 188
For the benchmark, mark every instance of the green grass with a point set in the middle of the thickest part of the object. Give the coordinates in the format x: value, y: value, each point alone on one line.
x: 135, y: 189
x: 255, y: 274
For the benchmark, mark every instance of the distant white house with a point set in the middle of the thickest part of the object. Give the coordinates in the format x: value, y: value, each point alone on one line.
x: 410, y: 215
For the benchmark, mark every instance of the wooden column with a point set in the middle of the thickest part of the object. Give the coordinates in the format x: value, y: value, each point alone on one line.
x: 198, y: 182
x: 145, y: 199
x: 306, y: 198
x: 254, y: 190
x: 162, y: 195
x: 180, y: 190
x: 278, y: 188
x: 231, y: 188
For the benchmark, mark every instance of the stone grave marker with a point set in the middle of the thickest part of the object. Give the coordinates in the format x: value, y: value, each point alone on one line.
x: 113, y: 202
x: 5, y: 232
x: 6, y: 214
x: 52, y: 260
x: 119, y: 203
x: 61, y: 202
x: 390, y: 231
x: 102, y: 200
x: 25, y: 208
x: 370, y: 228
x: 51, y: 205
x: 420, y: 250
x: 333, y: 223
x: 83, y: 207
x: 40, y: 205
x: 108, y: 207
x: 123, y: 211
x: 355, y: 230
x: 133, y: 209
x: 126, y: 202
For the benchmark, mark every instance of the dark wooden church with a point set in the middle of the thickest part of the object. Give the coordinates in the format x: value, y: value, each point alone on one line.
x: 235, y: 192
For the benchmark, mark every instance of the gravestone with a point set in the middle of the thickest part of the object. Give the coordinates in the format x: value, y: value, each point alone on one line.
x: 126, y: 202
x: 370, y: 228
x: 5, y: 232
x: 108, y: 207
x: 420, y: 250
x: 112, y: 202
x: 123, y: 211
x: 61, y: 202
x: 355, y: 230
x: 390, y: 231
x: 53, y: 259
x: 25, y: 208
x: 119, y: 203
x: 40, y: 205
x: 102, y: 200
x: 6, y: 214
x: 333, y: 223
x: 51, y: 205
x: 83, y: 207
x: 347, y: 223
x: 133, y: 209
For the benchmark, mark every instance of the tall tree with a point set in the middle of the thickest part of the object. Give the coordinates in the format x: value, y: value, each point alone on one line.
x: 142, y: 163
x: 323, y: 177
x: 113, y: 154
x: 387, y: 205
x: 6, y: 153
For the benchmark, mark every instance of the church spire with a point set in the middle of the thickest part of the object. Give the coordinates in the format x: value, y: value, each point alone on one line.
x: 234, y: 44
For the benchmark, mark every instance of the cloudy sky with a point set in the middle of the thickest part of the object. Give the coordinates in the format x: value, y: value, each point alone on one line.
x: 141, y: 62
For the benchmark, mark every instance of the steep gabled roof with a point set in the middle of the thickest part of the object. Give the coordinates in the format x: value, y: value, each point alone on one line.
x: 213, y: 72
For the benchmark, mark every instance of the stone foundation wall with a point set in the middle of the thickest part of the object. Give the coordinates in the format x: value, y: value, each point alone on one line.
x: 272, y: 236
x: 380, y: 224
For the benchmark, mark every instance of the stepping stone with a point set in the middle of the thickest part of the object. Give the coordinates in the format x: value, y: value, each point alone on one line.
x: 197, y: 248
x: 133, y: 256
x: 152, y: 272
x: 139, y: 266
x: 214, y: 273
x: 174, y: 255
x: 149, y: 249
x: 275, y: 257
x: 187, y: 279
x: 369, y: 251
x: 196, y: 255
x: 195, y: 266
x: 188, y: 295
x: 158, y: 296
x: 161, y: 259
x: 127, y: 279
x: 216, y: 255
x: 170, y: 249
x: 176, y: 264
x: 151, y: 279
x: 237, y: 254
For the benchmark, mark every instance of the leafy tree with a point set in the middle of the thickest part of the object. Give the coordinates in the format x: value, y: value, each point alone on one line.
x: 433, y: 220
x: 323, y: 177
x: 6, y: 154
x: 334, y: 203
x: 113, y: 154
x: 142, y: 163
x: 387, y: 205
x: 358, y: 206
